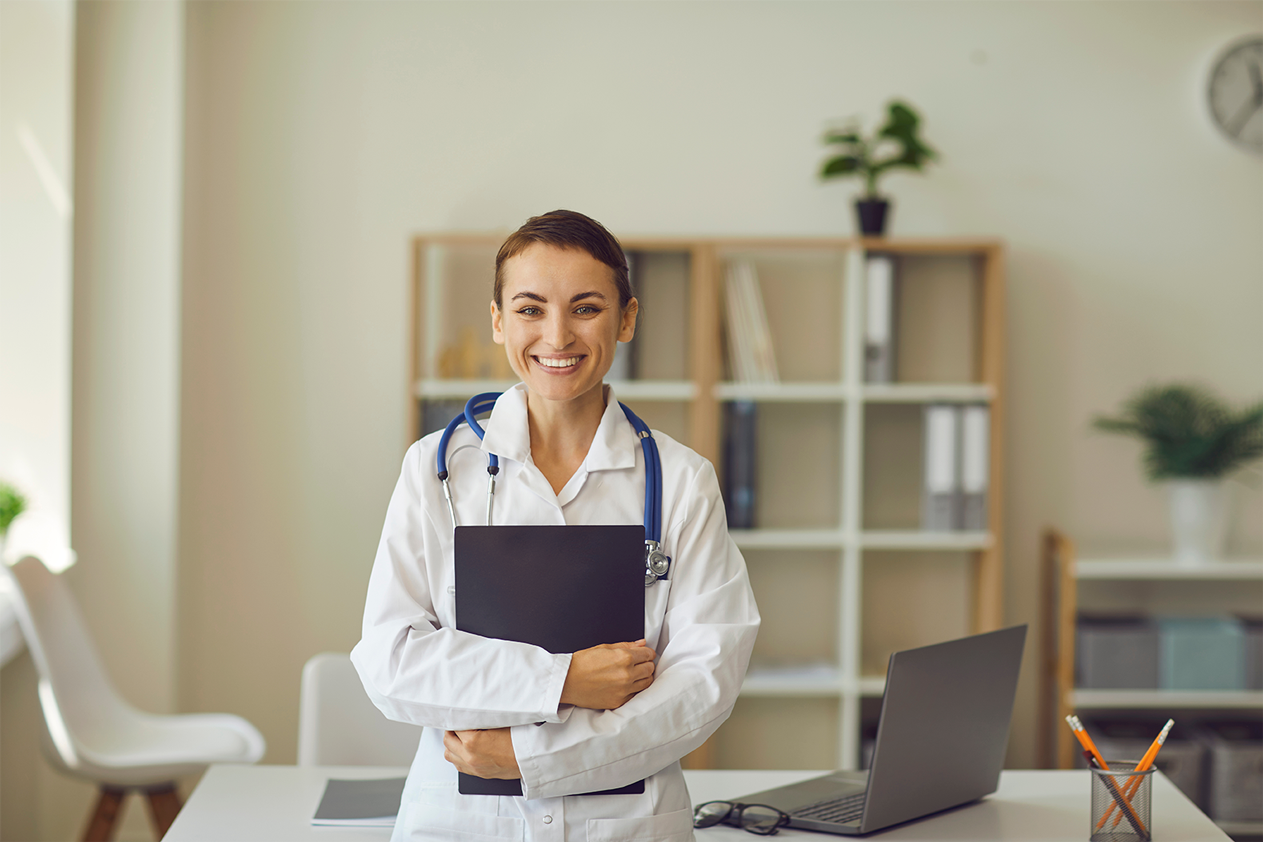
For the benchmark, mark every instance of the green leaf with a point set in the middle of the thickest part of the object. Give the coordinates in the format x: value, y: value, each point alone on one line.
x: 1188, y: 431
x: 841, y: 165
x: 843, y: 137
x: 12, y: 504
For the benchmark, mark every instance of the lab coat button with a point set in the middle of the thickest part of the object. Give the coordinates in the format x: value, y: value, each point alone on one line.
x: 548, y: 819
x: 451, y: 590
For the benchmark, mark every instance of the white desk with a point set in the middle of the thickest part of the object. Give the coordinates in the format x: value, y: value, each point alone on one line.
x: 271, y: 803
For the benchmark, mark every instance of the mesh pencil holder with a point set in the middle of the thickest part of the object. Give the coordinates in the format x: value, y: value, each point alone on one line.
x: 1122, y: 801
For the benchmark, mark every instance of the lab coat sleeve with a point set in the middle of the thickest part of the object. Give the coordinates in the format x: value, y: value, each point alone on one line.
x: 419, y: 672
x: 710, y: 625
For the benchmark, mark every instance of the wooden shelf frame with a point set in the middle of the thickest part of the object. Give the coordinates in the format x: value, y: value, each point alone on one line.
x: 704, y: 392
x: 1059, y: 697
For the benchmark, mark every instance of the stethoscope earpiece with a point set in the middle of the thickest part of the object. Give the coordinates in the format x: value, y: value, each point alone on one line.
x: 657, y: 563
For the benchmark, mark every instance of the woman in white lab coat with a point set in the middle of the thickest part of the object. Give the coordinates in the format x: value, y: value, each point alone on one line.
x: 563, y: 724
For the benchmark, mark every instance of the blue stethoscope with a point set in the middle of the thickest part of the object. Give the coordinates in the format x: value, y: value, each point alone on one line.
x: 657, y: 563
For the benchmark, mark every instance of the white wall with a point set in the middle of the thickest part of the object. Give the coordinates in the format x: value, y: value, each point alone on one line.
x: 36, y: 97
x: 319, y: 136
x: 36, y: 158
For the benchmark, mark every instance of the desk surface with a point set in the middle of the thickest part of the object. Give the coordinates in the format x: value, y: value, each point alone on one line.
x: 267, y: 803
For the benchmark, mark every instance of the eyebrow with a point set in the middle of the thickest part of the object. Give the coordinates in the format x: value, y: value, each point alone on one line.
x: 533, y: 297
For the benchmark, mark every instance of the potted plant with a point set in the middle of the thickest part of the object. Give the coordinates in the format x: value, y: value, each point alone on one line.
x: 12, y: 504
x: 895, y: 144
x: 1193, y: 441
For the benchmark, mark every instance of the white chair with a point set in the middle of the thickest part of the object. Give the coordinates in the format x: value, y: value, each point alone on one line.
x: 339, y: 726
x: 91, y: 732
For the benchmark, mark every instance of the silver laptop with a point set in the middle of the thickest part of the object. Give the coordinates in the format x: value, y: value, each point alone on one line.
x: 940, y: 742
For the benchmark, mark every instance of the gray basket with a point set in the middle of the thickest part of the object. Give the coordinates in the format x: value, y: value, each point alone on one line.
x: 1181, y: 758
x: 1201, y: 653
x: 1235, y: 784
x: 1252, y: 651
x: 1116, y: 653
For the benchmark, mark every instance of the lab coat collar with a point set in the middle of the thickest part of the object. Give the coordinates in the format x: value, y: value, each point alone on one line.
x: 508, y: 434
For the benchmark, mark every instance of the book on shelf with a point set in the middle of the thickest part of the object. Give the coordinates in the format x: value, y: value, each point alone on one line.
x: 975, y: 465
x: 940, y: 501
x: 740, y: 452
x: 750, y: 353
x: 879, y: 318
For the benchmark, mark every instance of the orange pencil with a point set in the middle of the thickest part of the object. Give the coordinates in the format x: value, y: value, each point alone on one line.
x: 1133, y: 784
x: 1085, y: 740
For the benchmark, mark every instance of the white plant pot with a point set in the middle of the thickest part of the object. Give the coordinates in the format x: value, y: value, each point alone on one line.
x: 1199, y: 520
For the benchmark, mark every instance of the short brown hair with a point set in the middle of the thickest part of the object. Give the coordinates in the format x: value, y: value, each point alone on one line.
x: 566, y: 229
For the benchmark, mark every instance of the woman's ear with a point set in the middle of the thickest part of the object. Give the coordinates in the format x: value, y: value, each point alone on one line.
x: 497, y: 328
x: 627, y: 328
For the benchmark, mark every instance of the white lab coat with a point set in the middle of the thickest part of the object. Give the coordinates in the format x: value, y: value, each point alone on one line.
x: 418, y: 668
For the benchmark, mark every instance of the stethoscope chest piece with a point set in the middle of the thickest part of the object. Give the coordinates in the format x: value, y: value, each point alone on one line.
x: 657, y: 563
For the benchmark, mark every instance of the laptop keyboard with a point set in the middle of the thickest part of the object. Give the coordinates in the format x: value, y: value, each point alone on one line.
x: 844, y: 810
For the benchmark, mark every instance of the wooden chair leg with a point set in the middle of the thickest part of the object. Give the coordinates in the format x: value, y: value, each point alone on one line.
x: 105, y: 816
x: 164, y: 806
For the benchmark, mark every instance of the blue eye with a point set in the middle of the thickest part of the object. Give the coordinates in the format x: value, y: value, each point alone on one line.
x: 529, y: 311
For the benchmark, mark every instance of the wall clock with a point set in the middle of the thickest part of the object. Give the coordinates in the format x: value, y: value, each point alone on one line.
x: 1235, y: 92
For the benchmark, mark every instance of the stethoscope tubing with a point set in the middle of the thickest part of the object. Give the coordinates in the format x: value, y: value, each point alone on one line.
x: 481, y: 403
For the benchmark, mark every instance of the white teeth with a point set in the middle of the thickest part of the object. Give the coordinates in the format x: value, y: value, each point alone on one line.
x: 558, y: 363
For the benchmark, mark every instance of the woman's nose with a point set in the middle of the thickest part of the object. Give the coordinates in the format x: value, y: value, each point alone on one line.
x: 558, y: 333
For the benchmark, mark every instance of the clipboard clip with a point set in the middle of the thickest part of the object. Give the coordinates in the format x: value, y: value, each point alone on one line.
x: 657, y: 563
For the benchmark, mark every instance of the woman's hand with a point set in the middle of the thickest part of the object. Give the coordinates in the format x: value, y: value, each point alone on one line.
x: 486, y: 754
x: 606, y: 676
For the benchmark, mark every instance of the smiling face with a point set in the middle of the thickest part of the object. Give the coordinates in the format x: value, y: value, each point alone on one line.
x: 560, y: 321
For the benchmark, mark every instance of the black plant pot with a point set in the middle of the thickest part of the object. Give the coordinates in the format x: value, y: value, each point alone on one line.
x: 872, y: 216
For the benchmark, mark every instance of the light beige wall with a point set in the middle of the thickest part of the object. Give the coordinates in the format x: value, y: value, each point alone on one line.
x: 36, y: 157
x: 321, y: 135
x: 128, y: 160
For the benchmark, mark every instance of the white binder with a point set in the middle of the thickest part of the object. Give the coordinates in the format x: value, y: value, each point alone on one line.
x: 940, y: 502
x: 975, y: 465
x: 879, y: 319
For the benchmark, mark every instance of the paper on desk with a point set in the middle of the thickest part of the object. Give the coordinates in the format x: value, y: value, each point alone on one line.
x: 366, y: 803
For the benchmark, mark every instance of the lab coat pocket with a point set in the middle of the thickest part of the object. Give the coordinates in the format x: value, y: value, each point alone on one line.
x: 667, y: 827
x: 426, y: 822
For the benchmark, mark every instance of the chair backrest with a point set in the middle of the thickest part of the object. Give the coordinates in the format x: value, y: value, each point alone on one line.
x: 339, y: 726
x: 79, y: 702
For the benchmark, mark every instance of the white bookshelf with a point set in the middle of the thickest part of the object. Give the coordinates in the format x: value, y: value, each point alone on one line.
x: 818, y: 520
x: 821, y: 679
x: 1081, y: 699
x: 929, y: 392
x: 1154, y: 569
x: 836, y: 539
x: 784, y: 392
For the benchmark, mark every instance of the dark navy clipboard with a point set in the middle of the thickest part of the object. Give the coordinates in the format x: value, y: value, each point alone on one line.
x: 562, y: 588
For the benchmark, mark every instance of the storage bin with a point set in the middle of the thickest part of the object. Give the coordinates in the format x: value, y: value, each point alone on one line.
x: 1235, y: 779
x: 1116, y: 652
x: 1252, y: 652
x: 1201, y: 653
x: 1181, y: 758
